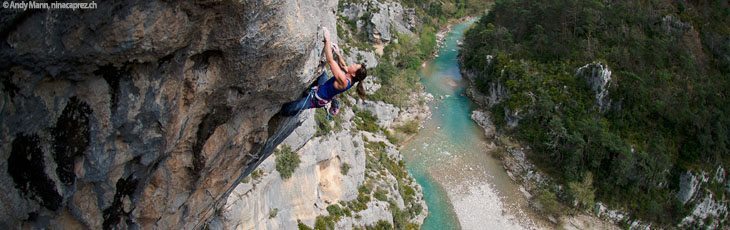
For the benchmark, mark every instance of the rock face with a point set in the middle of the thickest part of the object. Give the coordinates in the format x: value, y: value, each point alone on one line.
x: 316, y: 183
x: 144, y: 113
x: 340, y: 180
x: 383, y: 17
x: 359, y: 56
x: 336, y: 169
x: 370, y: 85
x: 598, y: 78
x: 673, y: 25
x: 688, y: 186
x: 696, y: 192
x: 386, y: 113
x: 496, y: 92
x: 485, y: 121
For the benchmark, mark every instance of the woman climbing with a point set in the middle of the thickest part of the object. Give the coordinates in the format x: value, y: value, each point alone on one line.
x: 326, y: 90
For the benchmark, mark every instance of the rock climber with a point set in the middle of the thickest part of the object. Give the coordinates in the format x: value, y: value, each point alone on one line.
x: 327, y: 88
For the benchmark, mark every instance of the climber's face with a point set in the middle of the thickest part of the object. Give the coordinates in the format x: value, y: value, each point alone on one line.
x: 352, y: 69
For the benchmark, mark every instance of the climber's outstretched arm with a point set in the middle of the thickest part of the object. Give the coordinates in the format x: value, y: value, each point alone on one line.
x: 340, y: 77
x: 340, y: 60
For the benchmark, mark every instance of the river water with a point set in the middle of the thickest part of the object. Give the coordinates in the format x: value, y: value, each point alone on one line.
x: 464, y: 187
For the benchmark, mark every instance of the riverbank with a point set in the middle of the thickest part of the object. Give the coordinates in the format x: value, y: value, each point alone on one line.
x: 445, y: 29
x: 512, y: 156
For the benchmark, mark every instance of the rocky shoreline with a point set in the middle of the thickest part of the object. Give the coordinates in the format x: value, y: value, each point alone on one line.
x: 693, y: 187
x: 444, y: 30
x: 514, y: 160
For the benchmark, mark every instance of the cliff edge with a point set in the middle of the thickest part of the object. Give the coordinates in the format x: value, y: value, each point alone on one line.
x: 144, y: 113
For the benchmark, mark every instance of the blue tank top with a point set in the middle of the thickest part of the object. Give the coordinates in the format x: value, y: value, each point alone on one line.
x: 327, y: 90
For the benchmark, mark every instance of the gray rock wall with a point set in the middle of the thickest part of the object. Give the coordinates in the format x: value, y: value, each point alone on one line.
x: 144, y: 113
x: 382, y: 19
x: 496, y: 91
x: 319, y: 181
x: 707, y: 207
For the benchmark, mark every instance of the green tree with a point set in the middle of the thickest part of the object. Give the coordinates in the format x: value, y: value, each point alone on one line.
x: 287, y: 161
x: 583, y: 192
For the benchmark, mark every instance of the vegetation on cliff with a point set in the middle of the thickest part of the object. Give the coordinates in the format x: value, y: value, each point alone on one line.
x: 287, y: 161
x: 669, y: 107
x: 399, y: 62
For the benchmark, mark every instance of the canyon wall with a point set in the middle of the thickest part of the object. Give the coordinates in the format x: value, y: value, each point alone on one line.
x: 144, y: 113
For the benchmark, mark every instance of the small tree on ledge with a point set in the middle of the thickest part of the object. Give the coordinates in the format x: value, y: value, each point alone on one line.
x: 287, y: 161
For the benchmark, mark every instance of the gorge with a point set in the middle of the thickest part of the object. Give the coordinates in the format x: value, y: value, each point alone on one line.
x: 158, y: 114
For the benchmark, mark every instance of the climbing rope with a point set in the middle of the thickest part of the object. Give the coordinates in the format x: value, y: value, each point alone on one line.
x: 292, y: 118
x: 277, y: 135
x: 2, y: 106
x: 266, y: 145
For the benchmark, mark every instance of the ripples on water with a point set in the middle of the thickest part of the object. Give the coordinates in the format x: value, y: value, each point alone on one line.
x: 449, y: 156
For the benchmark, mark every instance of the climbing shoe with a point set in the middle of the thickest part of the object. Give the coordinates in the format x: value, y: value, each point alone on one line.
x: 334, y: 107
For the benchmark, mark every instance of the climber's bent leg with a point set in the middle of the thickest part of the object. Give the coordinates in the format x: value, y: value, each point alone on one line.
x: 292, y: 108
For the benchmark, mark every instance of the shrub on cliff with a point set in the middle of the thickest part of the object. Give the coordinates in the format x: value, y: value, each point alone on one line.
x: 547, y: 203
x: 366, y: 121
x: 410, y: 127
x: 287, y: 161
x: 327, y: 125
x: 345, y: 168
x: 324, y: 223
x: 302, y: 226
x: 583, y: 193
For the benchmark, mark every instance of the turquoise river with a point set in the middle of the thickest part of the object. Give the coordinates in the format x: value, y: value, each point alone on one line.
x: 464, y: 187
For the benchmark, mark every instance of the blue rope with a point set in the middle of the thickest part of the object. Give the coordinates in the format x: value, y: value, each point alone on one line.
x: 309, y: 97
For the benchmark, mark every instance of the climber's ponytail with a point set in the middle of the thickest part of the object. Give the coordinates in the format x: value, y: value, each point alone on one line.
x: 361, y: 90
x: 360, y: 75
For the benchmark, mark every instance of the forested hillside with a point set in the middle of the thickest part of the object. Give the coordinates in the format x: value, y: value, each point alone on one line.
x: 663, y: 110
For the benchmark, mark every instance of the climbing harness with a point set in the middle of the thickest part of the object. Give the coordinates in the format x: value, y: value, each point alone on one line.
x: 319, y: 102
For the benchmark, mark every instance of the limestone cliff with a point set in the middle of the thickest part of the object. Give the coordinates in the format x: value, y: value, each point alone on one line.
x: 144, y: 113
x: 348, y: 177
x: 380, y: 19
x: 340, y: 181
